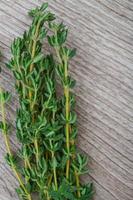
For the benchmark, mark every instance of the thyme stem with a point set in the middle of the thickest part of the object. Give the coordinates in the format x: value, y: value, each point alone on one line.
x: 66, y: 93
x: 67, y: 107
x: 77, y: 184
x: 8, y: 147
x: 37, y: 150
x: 30, y: 93
x: 54, y: 173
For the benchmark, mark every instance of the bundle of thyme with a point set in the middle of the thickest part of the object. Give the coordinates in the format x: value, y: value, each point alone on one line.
x: 47, y: 162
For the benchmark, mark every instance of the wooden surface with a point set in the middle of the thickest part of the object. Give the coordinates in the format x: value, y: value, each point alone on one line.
x: 102, y: 32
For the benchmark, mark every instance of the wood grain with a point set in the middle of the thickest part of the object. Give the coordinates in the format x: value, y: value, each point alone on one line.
x: 102, y: 32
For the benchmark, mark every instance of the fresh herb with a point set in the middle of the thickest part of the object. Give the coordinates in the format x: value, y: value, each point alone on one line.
x: 48, y: 162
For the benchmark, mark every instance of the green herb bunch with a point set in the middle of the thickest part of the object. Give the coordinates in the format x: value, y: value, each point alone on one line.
x: 47, y: 163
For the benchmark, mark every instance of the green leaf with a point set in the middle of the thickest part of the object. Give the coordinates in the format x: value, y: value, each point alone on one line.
x: 18, y: 124
x: 38, y: 11
x: 72, y: 100
x: 17, y: 75
x: 70, y: 82
x: 67, y: 190
x: 48, y: 147
x: 1, y: 125
x: 5, y: 96
x: 54, y: 163
x: 79, y: 159
x: 10, y: 159
x: 52, y: 41
x: 5, y: 128
x: 42, y: 34
x: 50, y: 133
x: 63, y: 118
x: 32, y: 13
x: 87, y: 192
x: 61, y: 36
x: 72, y: 117
x: 49, y: 17
x: 63, y: 161
x: 55, y: 195
x: 38, y: 58
x: 9, y: 65
x: 72, y: 53
x: 45, y: 63
x: 60, y: 71
x: 21, y: 193
x: 44, y: 6
x: 28, y: 187
x: 43, y: 167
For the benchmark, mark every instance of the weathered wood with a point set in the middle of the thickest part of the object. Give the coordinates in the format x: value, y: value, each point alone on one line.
x: 102, y: 32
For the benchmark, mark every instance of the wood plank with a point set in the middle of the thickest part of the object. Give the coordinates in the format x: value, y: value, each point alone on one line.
x: 101, y: 30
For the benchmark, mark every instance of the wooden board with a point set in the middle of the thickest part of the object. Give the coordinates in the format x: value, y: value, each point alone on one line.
x: 102, y: 32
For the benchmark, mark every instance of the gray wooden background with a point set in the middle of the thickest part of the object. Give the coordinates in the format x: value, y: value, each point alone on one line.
x: 102, y: 32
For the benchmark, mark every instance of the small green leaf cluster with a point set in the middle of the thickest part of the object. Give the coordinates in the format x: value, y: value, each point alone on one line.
x: 48, y: 160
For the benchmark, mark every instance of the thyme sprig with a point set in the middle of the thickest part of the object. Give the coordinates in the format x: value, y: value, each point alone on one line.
x: 4, y: 97
x: 48, y: 162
